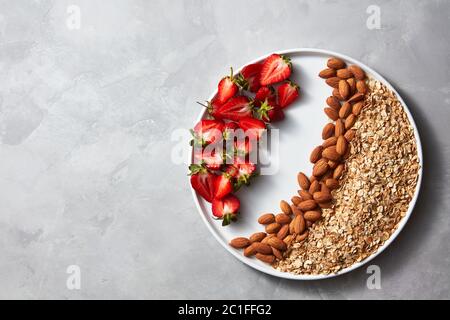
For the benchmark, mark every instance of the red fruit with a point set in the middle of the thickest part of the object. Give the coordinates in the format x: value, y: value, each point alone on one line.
x: 229, y: 129
x: 234, y: 109
x: 251, y: 74
x: 275, y: 68
x: 207, y: 131
x: 227, y: 88
x: 252, y: 127
x: 202, y: 181
x: 243, y: 147
x: 222, y: 185
x: 265, y: 93
x: 245, y: 172
x: 226, y: 208
x: 274, y: 115
x: 212, y: 159
x: 287, y: 93
x: 232, y: 170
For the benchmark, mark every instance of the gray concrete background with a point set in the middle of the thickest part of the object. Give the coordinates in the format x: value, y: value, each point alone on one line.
x: 85, y: 123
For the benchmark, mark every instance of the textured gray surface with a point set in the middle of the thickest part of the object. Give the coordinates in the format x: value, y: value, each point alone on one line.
x: 85, y: 123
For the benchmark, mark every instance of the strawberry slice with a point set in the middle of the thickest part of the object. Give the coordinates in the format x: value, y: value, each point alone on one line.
x: 222, y: 185
x: 207, y: 131
x: 253, y: 128
x: 251, y: 74
x: 229, y: 128
x: 227, y: 88
x: 211, y: 159
x: 288, y: 92
x: 244, y: 172
x: 265, y: 93
x: 275, y: 114
x: 202, y: 181
x: 226, y: 208
x: 234, y: 109
x: 276, y: 68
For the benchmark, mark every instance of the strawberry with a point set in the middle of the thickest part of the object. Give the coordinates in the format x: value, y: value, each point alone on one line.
x: 207, y: 131
x: 265, y: 93
x: 227, y: 88
x: 253, y: 128
x: 287, y: 93
x: 229, y: 129
x: 274, y: 114
x: 202, y: 181
x: 226, y: 208
x: 236, y: 108
x: 251, y: 74
x: 275, y: 68
x: 222, y: 185
x: 213, y: 160
x: 242, y: 147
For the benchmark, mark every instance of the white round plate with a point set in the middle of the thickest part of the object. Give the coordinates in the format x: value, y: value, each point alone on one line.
x: 300, y: 132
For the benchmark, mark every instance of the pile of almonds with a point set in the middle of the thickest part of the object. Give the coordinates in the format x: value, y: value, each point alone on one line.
x: 291, y: 226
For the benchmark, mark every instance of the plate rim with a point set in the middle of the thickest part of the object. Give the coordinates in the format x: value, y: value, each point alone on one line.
x: 287, y: 275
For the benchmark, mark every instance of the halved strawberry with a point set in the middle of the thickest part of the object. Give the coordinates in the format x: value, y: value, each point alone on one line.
x: 253, y: 128
x: 226, y: 208
x: 229, y: 128
x: 287, y: 93
x: 275, y: 68
x: 244, y: 172
x: 207, y: 131
x: 265, y: 93
x: 222, y: 185
x: 227, y: 88
x: 202, y: 181
x: 275, y: 114
x: 236, y: 108
x: 251, y: 74
x: 213, y: 159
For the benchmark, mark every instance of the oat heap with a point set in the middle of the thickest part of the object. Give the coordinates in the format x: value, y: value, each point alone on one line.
x: 376, y: 189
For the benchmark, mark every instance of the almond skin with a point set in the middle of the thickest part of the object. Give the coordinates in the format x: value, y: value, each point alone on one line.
x: 331, y: 141
x: 296, y: 200
x: 322, y: 196
x: 338, y: 171
x: 262, y: 248
x: 282, y: 233
x: 361, y: 86
x: 332, y: 183
x: 277, y: 253
x: 335, y: 63
x: 349, y: 135
x: 299, y: 224
x: 350, y: 121
x: 357, y: 107
x: 315, y: 186
x: 316, y: 154
x: 331, y: 153
x: 320, y: 167
x: 239, y: 243
x: 328, y: 131
x: 277, y: 243
x: 334, y: 103
x: 305, y: 195
x: 250, y: 251
x: 266, y: 218
x: 303, y: 181
x: 285, y: 207
x: 283, y: 218
x: 312, y: 215
x: 337, y: 95
x: 307, y: 205
x: 267, y: 258
x: 331, y: 113
x: 273, y: 227
x: 327, y: 73
x: 257, y: 237
x: 339, y: 128
x: 357, y: 72
x: 356, y: 97
x: 341, y: 145
x: 345, y: 110
x: 344, y: 89
x: 333, y: 82
x: 352, y: 84
x: 344, y: 73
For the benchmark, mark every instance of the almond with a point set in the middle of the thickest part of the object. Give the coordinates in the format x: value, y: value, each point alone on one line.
x: 332, y: 183
x: 302, y: 236
x: 350, y: 121
x: 333, y: 82
x: 266, y: 218
x: 316, y: 154
x: 285, y: 207
x: 345, y: 110
x: 264, y: 241
x: 273, y: 227
x: 344, y: 73
x: 303, y: 181
x: 309, y: 223
x: 326, y: 205
x: 283, y: 218
x: 327, y: 73
x: 315, y: 186
x: 341, y: 145
x: 352, y: 84
x: 296, y: 210
x: 299, y: 224
x: 257, y: 237
x: 322, y: 196
x: 277, y: 243
x: 239, y: 242
x: 357, y: 72
x: 296, y: 200
x: 331, y: 141
x: 356, y: 97
x: 324, y: 188
x: 334, y: 103
x: 250, y: 250
x: 263, y: 248
x: 361, y: 86
x: 331, y: 113
x: 312, y: 178
x: 331, y: 153
x: 312, y: 215
x: 339, y: 128
x: 337, y: 95
x: 283, y: 232
x: 357, y: 107
x: 338, y: 171
x: 307, y: 205
x: 349, y: 135
x: 335, y: 63
x: 344, y: 89
x: 288, y: 239
x: 320, y: 167
x: 267, y: 258
x: 277, y: 253
x: 291, y: 226
x: 327, y: 131
x: 305, y: 195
